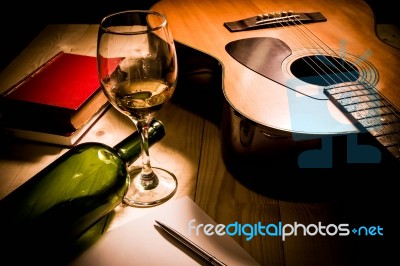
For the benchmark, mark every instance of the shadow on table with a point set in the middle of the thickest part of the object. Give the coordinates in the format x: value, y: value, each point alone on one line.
x: 280, y: 166
x: 199, y: 88
x: 273, y: 164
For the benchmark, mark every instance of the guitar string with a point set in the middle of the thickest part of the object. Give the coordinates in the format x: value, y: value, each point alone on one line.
x: 288, y: 25
x: 380, y: 127
x: 296, y: 23
x: 392, y: 118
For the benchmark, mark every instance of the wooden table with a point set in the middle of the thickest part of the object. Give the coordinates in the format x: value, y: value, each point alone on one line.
x: 269, y: 191
x: 192, y: 150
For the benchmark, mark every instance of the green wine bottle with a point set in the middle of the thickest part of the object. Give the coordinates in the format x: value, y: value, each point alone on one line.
x: 61, y: 202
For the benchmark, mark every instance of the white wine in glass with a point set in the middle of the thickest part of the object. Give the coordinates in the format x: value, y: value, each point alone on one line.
x: 137, y: 68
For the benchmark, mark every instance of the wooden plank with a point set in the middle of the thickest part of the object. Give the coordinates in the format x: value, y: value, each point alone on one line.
x: 228, y: 201
x: 311, y: 249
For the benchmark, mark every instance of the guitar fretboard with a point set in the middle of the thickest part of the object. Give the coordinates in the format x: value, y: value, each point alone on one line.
x: 370, y: 110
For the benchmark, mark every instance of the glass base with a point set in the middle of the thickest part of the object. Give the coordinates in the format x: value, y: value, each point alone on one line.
x: 137, y: 196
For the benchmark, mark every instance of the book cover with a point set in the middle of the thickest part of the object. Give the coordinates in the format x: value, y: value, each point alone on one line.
x: 65, y: 81
x: 55, y: 102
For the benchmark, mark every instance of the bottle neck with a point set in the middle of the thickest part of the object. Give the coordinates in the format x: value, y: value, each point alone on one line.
x: 130, y: 148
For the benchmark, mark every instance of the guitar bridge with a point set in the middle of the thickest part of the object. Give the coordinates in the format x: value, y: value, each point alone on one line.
x: 275, y: 19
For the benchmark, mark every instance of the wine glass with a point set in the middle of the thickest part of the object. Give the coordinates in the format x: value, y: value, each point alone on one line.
x: 137, y: 68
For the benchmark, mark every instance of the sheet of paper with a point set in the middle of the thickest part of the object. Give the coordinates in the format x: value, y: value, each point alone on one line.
x: 142, y: 242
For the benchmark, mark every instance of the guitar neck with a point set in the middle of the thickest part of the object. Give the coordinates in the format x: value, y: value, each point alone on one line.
x: 371, y: 111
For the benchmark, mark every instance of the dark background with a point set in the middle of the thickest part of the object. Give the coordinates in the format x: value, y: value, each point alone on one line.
x: 22, y: 21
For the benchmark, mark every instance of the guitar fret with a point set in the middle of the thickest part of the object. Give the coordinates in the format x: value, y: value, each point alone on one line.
x: 384, y: 129
x: 389, y: 140
x: 362, y: 92
x: 377, y: 104
x: 356, y: 107
x: 356, y: 100
x: 390, y: 118
x: 336, y: 90
x: 384, y: 114
x: 345, y: 94
x: 395, y: 150
x: 370, y: 122
x: 351, y: 93
x: 375, y: 112
x: 349, y: 86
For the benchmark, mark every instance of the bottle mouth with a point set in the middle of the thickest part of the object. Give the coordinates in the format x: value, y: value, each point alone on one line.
x: 157, y: 127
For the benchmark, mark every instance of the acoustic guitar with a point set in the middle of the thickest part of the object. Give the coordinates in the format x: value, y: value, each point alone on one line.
x: 305, y: 68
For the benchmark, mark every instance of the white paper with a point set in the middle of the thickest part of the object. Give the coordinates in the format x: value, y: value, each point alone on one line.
x: 142, y: 242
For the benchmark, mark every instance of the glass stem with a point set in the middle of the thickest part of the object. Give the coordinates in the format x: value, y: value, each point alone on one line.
x: 149, y: 179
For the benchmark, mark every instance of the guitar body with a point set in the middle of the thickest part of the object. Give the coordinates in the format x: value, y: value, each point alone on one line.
x: 277, y: 106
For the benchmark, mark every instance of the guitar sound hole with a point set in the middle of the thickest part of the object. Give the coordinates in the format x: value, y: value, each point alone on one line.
x: 324, y: 70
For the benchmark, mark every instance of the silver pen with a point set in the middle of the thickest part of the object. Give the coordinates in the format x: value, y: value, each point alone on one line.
x: 187, y: 242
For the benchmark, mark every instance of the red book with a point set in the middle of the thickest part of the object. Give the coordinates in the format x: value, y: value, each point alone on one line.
x: 66, y: 81
x: 58, y: 98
